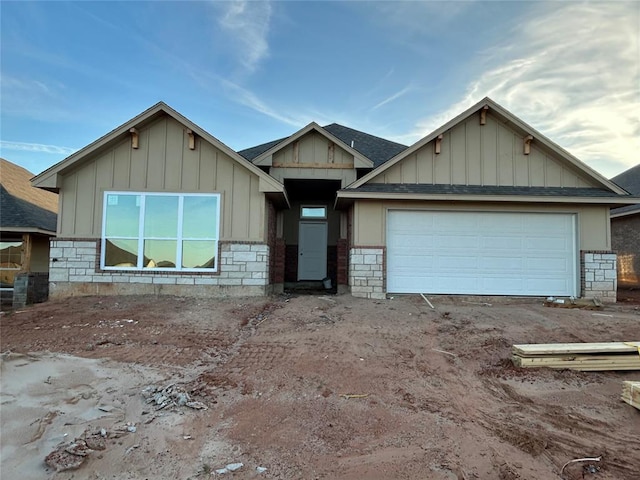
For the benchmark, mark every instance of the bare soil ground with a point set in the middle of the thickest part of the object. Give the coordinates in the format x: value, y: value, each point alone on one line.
x: 436, y: 394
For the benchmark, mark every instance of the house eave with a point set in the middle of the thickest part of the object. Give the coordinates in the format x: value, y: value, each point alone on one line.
x: 346, y: 197
x: 28, y: 230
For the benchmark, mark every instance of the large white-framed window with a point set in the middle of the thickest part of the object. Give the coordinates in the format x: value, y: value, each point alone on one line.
x: 160, y: 231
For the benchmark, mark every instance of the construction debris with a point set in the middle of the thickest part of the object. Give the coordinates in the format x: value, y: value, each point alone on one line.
x: 583, y: 303
x: 631, y: 393
x: 427, y: 300
x: 170, y: 396
x: 579, y: 356
x: 231, y: 467
x: 586, y: 459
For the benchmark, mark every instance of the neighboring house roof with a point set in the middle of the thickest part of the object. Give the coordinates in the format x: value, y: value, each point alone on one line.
x: 49, y: 179
x: 506, y: 117
x: 630, y: 181
x: 376, y: 149
x: 25, y: 208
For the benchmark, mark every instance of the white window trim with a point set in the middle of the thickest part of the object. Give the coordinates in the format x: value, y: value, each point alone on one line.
x: 140, y: 239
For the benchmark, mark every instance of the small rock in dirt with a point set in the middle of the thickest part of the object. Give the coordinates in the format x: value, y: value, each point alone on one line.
x: 261, y: 469
x: 232, y: 467
x: 131, y: 428
x: 221, y: 471
x: 78, y: 448
x: 61, y: 460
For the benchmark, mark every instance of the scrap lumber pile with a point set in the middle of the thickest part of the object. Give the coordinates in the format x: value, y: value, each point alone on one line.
x: 631, y: 393
x: 583, y: 303
x: 579, y: 356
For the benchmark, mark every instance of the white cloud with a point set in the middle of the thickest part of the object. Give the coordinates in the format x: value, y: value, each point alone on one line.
x: 393, y: 97
x: 36, y: 147
x: 572, y: 72
x: 248, y: 22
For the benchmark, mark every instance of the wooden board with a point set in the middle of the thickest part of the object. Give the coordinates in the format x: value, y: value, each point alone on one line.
x: 631, y: 393
x: 527, y: 350
x: 582, y: 363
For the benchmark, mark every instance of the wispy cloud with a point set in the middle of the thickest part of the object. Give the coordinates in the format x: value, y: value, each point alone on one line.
x: 575, y: 76
x: 393, y: 97
x: 36, y: 147
x: 248, y: 23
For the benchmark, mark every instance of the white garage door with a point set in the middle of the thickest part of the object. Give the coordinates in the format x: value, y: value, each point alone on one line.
x: 481, y: 253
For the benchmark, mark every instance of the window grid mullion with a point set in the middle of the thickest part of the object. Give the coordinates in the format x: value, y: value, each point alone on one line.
x: 179, y: 240
x: 140, y: 262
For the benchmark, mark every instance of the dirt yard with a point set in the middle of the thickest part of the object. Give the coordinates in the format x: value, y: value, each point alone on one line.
x: 314, y: 387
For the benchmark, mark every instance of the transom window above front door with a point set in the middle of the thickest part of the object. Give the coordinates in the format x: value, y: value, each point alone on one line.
x: 160, y: 231
x: 313, y: 212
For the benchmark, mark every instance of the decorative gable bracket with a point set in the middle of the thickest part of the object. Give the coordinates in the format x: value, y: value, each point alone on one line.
x: 527, y: 144
x: 192, y: 139
x: 438, y: 144
x: 135, y: 138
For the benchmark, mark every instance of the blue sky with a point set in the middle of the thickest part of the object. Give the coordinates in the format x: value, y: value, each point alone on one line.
x: 250, y: 72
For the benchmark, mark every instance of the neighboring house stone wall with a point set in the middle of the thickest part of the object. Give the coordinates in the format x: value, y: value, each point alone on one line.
x: 30, y: 287
x: 598, y: 274
x: 366, y: 272
x: 75, y: 270
x: 625, y: 241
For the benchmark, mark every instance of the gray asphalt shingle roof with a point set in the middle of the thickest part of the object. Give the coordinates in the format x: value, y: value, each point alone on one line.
x: 18, y: 213
x: 21, y: 205
x: 376, y: 149
x: 428, y: 189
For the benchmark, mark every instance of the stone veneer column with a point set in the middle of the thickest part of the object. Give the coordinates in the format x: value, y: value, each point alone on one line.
x: 366, y: 272
x: 599, y: 275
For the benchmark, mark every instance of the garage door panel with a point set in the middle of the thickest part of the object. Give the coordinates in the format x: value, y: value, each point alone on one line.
x: 456, y: 262
x: 491, y: 253
x: 500, y: 243
x: 500, y: 264
x: 456, y: 241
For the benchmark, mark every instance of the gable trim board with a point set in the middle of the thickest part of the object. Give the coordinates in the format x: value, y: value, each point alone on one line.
x: 253, y: 252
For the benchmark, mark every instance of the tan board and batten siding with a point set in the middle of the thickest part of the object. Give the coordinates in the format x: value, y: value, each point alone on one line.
x: 313, y: 156
x: 162, y: 163
x: 490, y: 154
x: 369, y: 227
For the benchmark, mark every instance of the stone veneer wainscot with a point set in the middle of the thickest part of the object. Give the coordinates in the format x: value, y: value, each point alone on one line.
x: 74, y: 269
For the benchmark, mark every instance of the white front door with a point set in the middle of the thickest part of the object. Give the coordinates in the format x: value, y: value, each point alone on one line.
x: 312, y: 251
